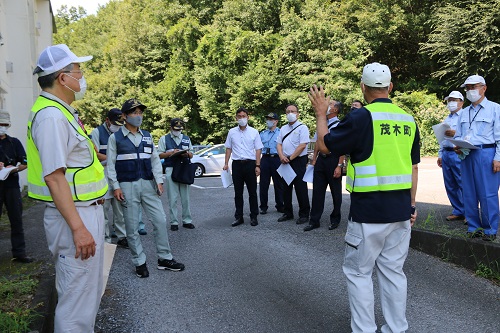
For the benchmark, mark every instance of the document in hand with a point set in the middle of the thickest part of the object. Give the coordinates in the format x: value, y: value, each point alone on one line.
x: 5, y: 172
x: 226, y: 178
x: 439, y: 130
x: 309, y: 175
x: 287, y: 173
x: 179, y: 153
x: 462, y: 144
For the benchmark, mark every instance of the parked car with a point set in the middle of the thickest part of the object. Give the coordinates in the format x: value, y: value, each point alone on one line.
x: 197, y: 148
x: 209, y: 160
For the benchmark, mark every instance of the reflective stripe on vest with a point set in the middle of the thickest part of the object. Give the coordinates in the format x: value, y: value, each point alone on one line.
x: 86, y: 182
x: 389, y: 166
x: 124, y: 157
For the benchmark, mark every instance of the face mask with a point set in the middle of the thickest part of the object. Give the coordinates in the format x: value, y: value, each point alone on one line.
x: 353, y: 108
x: 83, y: 87
x: 134, y: 121
x: 175, y: 133
x: 291, y: 117
x: 114, y: 128
x: 242, y: 122
x: 473, y: 95
x: 452, y: 106
x: 3, y: 130
x: 269, y: 123
x: 328, y: 110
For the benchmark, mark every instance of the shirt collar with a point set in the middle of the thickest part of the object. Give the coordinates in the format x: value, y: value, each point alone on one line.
x: 126, y: 131
x: 331, y: 120
x: 57, y: 99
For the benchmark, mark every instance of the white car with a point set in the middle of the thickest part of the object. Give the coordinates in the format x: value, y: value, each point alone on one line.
x: 209, y: 160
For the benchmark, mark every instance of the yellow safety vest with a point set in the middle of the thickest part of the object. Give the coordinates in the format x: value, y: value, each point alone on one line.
x: 86, y: 182
x: 389, y: 166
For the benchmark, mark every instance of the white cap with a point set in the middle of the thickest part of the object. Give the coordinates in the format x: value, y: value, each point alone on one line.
x: 376, y: 75
x: 55, y: 58
x: 473, y: 79
x: 454, y: 94
x: 4, y: 117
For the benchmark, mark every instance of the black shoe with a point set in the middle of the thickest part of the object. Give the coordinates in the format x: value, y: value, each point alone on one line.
x: 23, y: 259
x: 142, y: 271
x: 311, y: 227
x: 171, y: 265
x: 122, y: 243
x: 285, y: 218
x: 263, y: 211
x: 188, y: 225
x: 254, y: 222
x: 281, y: 210
x: 475, y: 234
x: 237, y: 222
x: 174, y: 227
x: 143, y: 232
x: 489, y: 238
x: 333, y: 225
x: 113, y: 235
x: 302, y: 220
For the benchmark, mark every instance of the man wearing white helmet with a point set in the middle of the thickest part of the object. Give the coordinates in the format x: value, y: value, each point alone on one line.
x: 449, y: 161
x: 383, y: 142
x: 65, y: 172
x: 479, y: 124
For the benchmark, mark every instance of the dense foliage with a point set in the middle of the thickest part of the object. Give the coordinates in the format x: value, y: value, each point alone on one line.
x: 201, y: 60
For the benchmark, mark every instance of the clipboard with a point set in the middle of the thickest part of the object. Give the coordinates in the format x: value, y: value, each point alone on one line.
x: 180, y: 152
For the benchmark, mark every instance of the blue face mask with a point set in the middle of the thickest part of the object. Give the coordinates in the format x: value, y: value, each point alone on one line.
x: 134, y: 121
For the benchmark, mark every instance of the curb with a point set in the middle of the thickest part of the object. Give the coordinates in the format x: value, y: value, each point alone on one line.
x: 468, y: 253
x: 44, y: 301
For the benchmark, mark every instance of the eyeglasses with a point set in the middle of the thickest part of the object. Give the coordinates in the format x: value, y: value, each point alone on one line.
x: 137, y: 112
x: 473, y: 87
x: 291, y: 111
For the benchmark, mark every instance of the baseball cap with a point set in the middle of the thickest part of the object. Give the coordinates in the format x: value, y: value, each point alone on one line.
x: 55, y: 58
x: 272, y: 116
x: 5, y: 118
x: 454, y: 94
x: 473, y: 79
x: 376, y: 75
x: 131, y: 104
x: 177, y: 124
x: 115, y: 116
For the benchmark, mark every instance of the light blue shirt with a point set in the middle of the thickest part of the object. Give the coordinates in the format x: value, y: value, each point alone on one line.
x: 268, y: 139
x: 481, y: 125
x: 451, y: 120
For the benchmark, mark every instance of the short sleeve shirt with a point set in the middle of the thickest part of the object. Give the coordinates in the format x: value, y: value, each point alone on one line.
x: 243, y: 143
x: 292, y: 141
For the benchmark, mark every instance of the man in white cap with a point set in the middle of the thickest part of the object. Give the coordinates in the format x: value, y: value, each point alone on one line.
x: 449, y: 161
x: 479, y: 124
x: 65, y: 172
x: 13, y: 159
x: 383, y: 141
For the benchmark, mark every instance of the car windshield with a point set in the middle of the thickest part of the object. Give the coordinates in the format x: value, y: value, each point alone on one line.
x: 201, y: 151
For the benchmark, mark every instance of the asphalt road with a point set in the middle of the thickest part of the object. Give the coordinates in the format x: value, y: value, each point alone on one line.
x: 276, y: 278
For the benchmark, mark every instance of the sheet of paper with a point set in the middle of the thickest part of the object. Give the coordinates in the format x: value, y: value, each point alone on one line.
x: 5, y: 172
x: 227, y: 180
x: 109, y: 253
x: 309, y: 175
x: 287, y: 173
x: 179, y: 153
x: 462, y: 143
x: 439, y: 130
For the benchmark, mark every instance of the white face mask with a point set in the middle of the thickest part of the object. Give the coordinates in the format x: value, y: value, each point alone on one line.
x: 328, y: 110
x: 3, y: 130
x: 114, y: 128
x: 83, y: 87
x: 291, y: 117
x: 242, y: 122
x: 473, y: 95
x: 175, y: 133
x: 452, y: 106
x: 270, y: 123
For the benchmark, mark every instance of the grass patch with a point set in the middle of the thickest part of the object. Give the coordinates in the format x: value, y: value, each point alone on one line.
x: 488, y: 273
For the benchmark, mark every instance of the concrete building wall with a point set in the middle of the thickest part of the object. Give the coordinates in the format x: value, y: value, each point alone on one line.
x: 26, y: 28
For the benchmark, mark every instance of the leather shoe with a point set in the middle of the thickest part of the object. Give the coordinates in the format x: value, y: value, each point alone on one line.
x: 489, y: 238
x: 23, y: 259
x: 237, y: 222
x: 188, y: 225
x: 311, y: 227
x: 174, y: 227
x: 263, y: 211
x: 302, y: 220
x: 254, y: 222
x: 455, y: 217
x: 281, y: 210
x: 333, y: 226
x: 285, y: 218
x: 143, y: 232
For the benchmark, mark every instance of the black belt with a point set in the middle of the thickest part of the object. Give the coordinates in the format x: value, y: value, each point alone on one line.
x: 270, y: 155
x: 449, y: 149
x: 325, y: 155
x: 488, y: 145
x: 243, y: 161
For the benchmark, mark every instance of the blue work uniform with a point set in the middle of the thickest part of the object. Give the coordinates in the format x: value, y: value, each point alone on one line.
x: 450, y: 163
x: 480, y: 125
x: 269, y: 163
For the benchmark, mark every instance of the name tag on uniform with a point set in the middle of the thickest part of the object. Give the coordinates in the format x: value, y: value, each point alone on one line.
x: 147, y: 139
x: 148, y: 150
x: 185, y: 147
